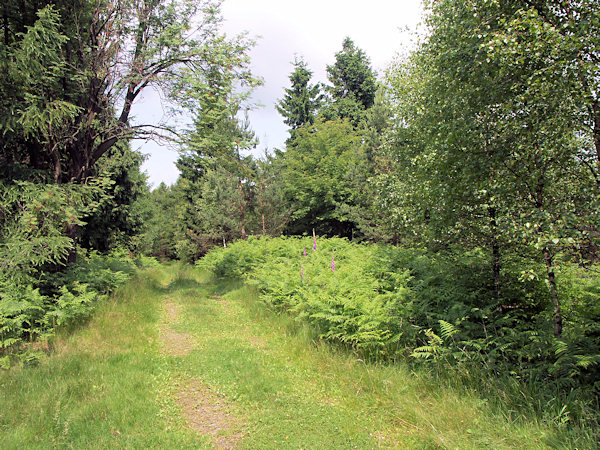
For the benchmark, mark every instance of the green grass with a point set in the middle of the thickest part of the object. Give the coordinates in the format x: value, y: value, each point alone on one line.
x: 100, y: 387
x: 113, y: 384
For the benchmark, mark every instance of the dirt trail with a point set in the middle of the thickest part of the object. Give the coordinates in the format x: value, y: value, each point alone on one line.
x: 204, y: 410
x: 174, y: 343
x: 209, y: 413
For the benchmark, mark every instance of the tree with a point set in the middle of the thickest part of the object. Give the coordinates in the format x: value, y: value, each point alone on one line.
x: 75, y: 69
x: 110, y: 52
x: 353, y: 84
x: 273, y: 208
x: 301, y: 101
x: 322, y: 176
x: 214, y: 147
x: 576, y: 54
x: 493, y: 151
x: 163, y: 228
x: 120, y: 218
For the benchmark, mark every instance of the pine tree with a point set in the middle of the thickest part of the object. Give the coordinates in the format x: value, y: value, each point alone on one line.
x: 302, y: 100
x: 353, y: 83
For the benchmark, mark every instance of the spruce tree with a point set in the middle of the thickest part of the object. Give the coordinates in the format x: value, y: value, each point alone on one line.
x: 302, y: 100
x: 353, y: 82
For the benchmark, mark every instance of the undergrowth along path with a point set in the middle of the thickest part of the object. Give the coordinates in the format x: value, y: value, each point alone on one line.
x: 176, y: 360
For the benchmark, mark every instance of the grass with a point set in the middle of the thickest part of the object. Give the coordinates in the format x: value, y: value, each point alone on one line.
x: 243, y: 376
x: 99, y: 388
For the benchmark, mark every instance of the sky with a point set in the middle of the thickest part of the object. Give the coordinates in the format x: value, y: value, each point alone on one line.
x: 311, y: 29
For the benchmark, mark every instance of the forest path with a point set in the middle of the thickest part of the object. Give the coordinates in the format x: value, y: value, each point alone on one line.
x: 175, y: 359
x: 246, y: 379
x: 253, y: 378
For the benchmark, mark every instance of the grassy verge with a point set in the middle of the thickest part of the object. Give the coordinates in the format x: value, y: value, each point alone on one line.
x: 174, y: 360
x: 100, y: 387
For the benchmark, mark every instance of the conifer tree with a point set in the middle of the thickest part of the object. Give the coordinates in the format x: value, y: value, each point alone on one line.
x: 302, y: 100
x: 353, y: 84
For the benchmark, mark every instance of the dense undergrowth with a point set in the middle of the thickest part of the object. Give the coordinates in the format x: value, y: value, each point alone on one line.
x: 442, y: 310
x: 34, y: 310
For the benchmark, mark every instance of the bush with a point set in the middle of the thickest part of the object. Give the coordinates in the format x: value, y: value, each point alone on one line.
x: 351, y: 301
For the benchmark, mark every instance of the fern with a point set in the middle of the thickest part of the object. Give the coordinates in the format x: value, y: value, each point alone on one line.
x: 447, y: 329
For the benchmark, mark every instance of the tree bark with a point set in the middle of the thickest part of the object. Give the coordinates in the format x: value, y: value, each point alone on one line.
x: 72, y: 231
x: 596, y: 131
x: 496, y: 265
x: 558, y: 321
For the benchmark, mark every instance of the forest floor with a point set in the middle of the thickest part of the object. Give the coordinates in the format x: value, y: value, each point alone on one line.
x: 176, y: 360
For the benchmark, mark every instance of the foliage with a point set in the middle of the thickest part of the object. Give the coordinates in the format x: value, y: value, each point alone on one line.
x: 70, y: 88
x: 217, y: 209
x: 353, y: 84
x: 37, y: 308
x: 385, y: 301
x: 211, y: 157
x: 33, y: 217
x: 34, y: 110
x: 322, y: 174
x: 73, y: 71
x: 354, y: 304
x: 301, y: 101
x: 104, y: 376
x: 113, y: 375
x: 489, y: 151
x: 120, y: 219
x: 162, y: 228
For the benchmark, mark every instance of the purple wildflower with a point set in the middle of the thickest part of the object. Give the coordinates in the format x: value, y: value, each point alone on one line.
x: 304, y: 251
x: 314, y: 244
x: 332, y: 262
x: 302, y: 272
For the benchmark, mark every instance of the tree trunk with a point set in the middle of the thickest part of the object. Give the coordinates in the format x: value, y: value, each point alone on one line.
x: 243, y: 222
x: 262, y: 209
x: 495, y: 251
x: 558, y: 321
x: 496, y: 265
x: 72, y: 231
x: 596, y: 117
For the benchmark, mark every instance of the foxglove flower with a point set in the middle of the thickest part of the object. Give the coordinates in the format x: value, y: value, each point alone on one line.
x: 332, y: 262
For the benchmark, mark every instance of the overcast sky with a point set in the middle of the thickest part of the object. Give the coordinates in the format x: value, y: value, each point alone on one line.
x: 313, y: 29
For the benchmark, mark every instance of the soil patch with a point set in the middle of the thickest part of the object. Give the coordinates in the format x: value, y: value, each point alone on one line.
x: 176, y: 344
x: 172, y: 312
x: 209, y: 413
x: 173, y: 342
